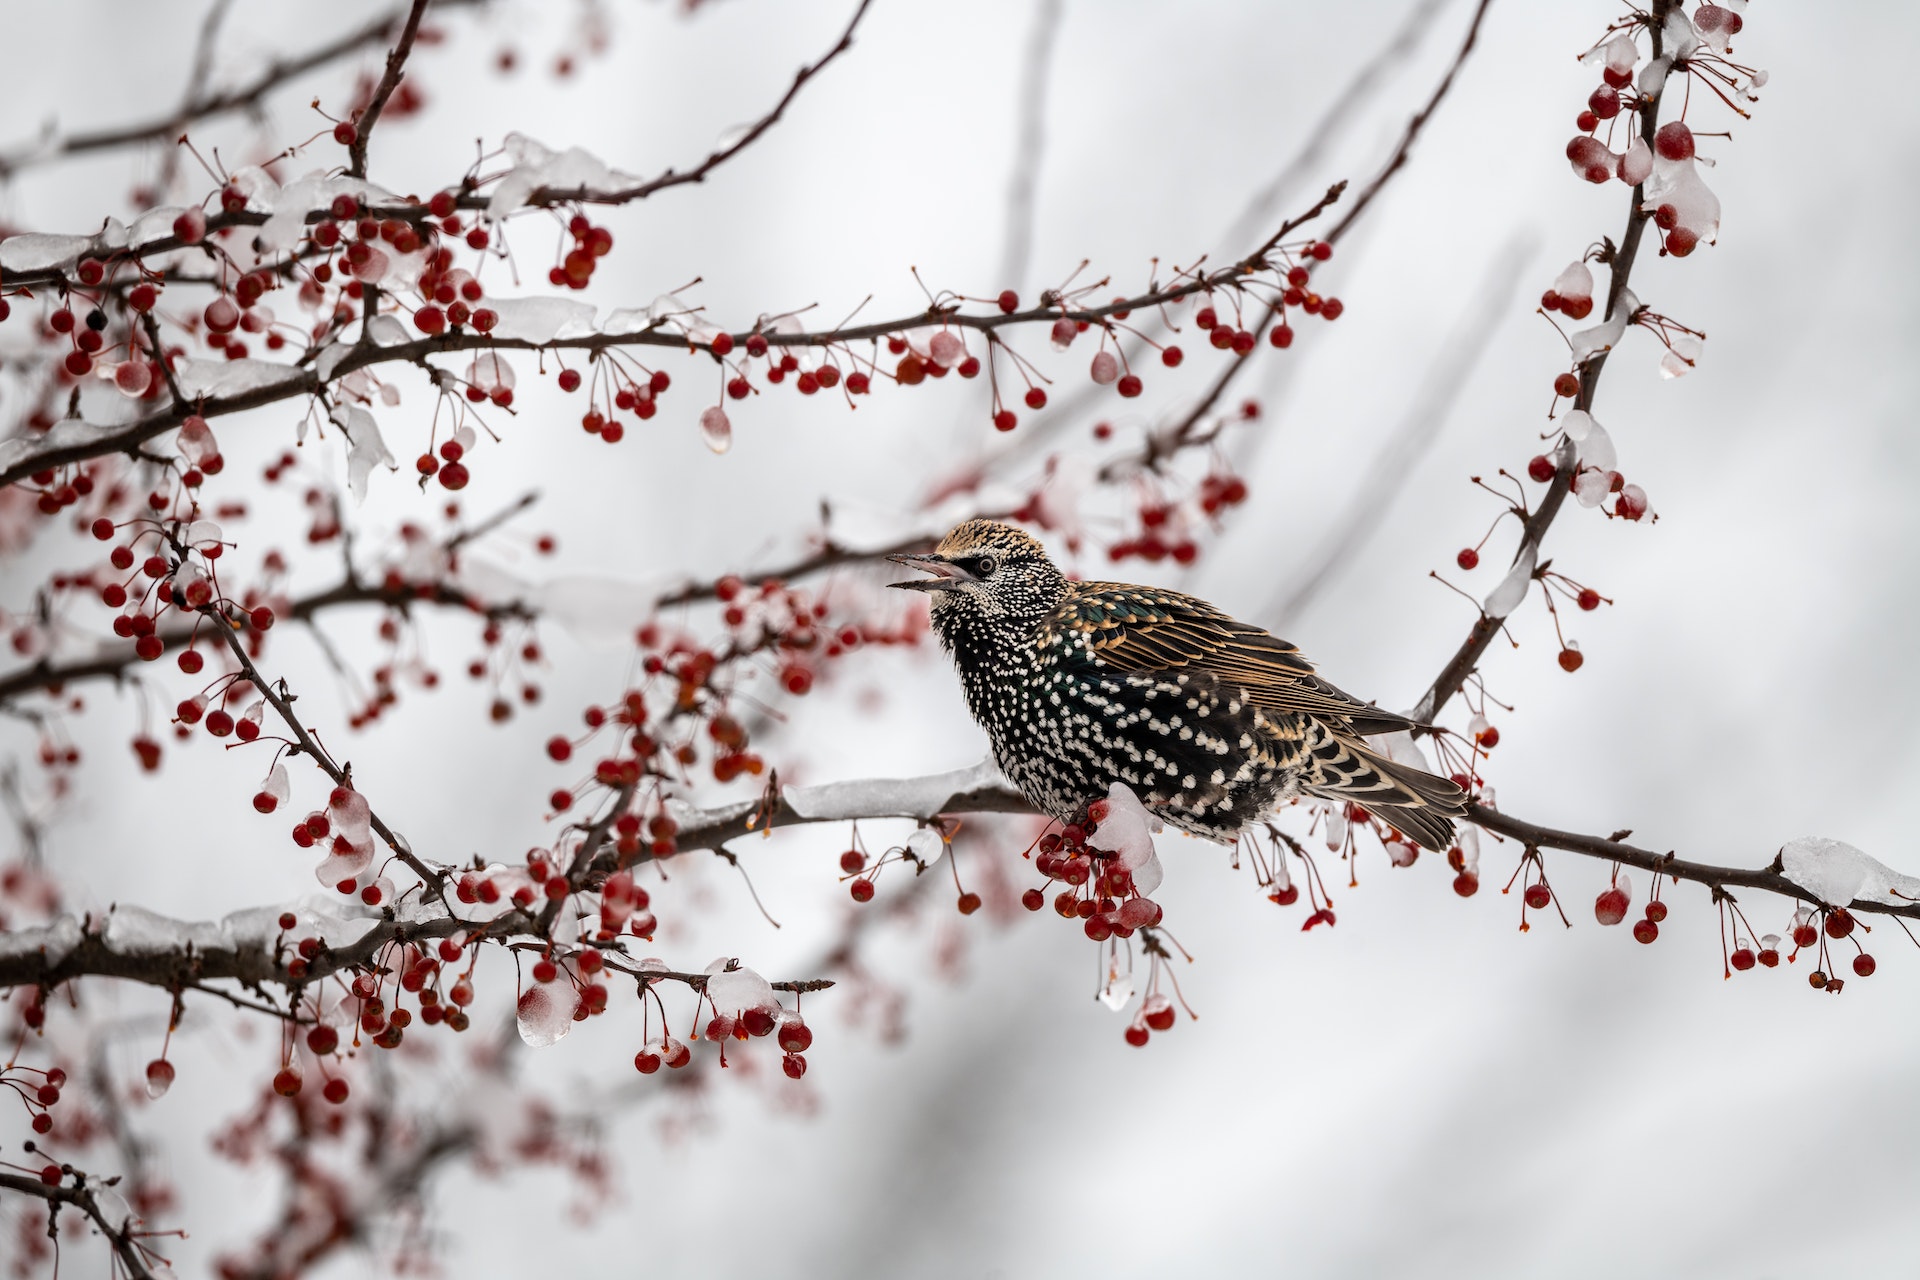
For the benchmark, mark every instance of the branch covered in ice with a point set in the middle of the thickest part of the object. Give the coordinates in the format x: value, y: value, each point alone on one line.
x: 250, y: 947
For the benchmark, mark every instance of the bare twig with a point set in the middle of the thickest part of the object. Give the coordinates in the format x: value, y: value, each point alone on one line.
x: 245, y: 98
x: 389, y: 81
x: 1454, y: 674
x: 80, y: 1196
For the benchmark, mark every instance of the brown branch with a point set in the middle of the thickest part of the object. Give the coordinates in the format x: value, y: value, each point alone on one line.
x: 282, y: 703
x: 245, y: 98
x: 1768, y: 878
x: 80, y: 1196
x: 1454, y: 674
x: 55, y: 676
x: 389, y: 81
x: 305, y: 382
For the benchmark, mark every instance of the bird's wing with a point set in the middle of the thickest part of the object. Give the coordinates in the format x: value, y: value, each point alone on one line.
x: 1142, y: 629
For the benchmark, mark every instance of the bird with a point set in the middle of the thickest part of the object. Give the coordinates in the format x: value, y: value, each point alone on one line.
x: 1211, y: 722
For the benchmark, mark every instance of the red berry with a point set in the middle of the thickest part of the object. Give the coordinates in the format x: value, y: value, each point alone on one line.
x: 1567, y: 385
x: 1002, y: 421
x: 1033, y: 899
x: 1805, y: 935
x: 1645, y: 931
x: 862, y: 890
x: 1742, y: 958
x: 1137, y: 1034
x: 722, y: 344
x: 969, y: 903
x: 1571, y: 659
x: 1656, y: 911
x: 1128, y: 386
x: 1611, y: 906
x: 1172, y: 356
x: 1036, y: 398
x: 1009, y: 301
x: 1281, y: 335
x: 1466, y: 884
x: 1863, y: 965
x: 1467, y: 559
x: 1674, y: 141
x: 794, y: 1065
x: 1538, y: 896
x: 335, y: 1091
x: 1839, y: 922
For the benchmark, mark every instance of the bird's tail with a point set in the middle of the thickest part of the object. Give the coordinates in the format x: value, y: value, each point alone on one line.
x: 1415, y: 802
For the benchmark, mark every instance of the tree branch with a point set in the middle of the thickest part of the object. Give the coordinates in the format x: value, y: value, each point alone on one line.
x: 1454, y: 674
x: 389, y: 81
x: 81, y: 1197
x: 245, y: 98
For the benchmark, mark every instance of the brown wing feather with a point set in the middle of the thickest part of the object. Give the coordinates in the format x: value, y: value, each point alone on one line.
x: 1141, y: 629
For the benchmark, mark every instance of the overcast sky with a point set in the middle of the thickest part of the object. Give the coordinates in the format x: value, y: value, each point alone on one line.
x: 1421, y: 1090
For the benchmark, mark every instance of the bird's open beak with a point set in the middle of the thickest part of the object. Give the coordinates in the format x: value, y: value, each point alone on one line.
x: 946, y: 574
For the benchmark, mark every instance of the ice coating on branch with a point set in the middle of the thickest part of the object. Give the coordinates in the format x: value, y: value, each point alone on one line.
x: 1506, y: 597
x: 542, y: 319
x: 154, y: 224
x: 891, y: 797
x: 64, y: 434
x: 1837, y: 873
x: 1577, y: 424
x: 224, y: 379
x: 1681, y: 357
x: 1678, y: 183
x: 292, y: 203
x: 1653, y: 77
x: 1596, y: 449
x: 1636, y: 163
x: 368, y: 451
x: 37, y: 252
x: 1830, y: 870
x: 1588, y: 343
x: 387, y: 331
x: 545, y: 1013
x: 535, y: 166
x: 1678, y: 36
x: 1127, y: 833
x: 734, y: 991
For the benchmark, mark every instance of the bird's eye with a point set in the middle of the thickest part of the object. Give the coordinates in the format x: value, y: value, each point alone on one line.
x: 984, y: 567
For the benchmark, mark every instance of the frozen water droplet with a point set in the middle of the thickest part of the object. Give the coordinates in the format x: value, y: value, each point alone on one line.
x: 716, y: 429
x: 1596, y: 449
x: 543, y: 1016
x: 1118, y: 993
x: 1576, y: 424
x: 1506, y: 597
x: 159, y: 1078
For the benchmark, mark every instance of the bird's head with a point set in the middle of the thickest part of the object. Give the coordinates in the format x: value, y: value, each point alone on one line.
x: 986, y: 569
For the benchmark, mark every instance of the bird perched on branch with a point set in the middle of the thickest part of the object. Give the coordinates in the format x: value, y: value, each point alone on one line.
x: 1210, y: 721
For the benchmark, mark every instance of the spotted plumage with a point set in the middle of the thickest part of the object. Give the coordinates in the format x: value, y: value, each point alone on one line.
x: 1212, y: 722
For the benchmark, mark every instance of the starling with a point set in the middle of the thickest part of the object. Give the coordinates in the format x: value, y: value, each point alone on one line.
x: 1213, y: 723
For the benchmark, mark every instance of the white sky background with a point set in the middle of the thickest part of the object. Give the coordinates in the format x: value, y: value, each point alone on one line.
x: 1421, y: 1090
